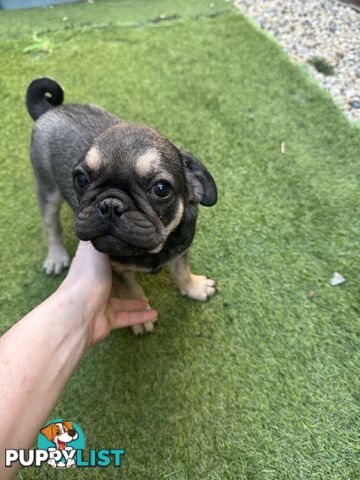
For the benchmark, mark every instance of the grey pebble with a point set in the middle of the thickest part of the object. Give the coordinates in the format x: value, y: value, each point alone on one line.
x: 355, y: 103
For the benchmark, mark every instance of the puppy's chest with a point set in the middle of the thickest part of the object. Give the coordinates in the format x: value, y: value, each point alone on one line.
x: 130, y: 267
x: 144, y: 263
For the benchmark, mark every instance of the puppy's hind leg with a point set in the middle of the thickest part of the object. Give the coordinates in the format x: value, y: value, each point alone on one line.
x: 197, y: 287
x: 128, y: 287
x: 50, y: 202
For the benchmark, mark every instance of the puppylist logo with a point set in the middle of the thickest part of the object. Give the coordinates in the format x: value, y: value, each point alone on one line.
x: 61, y: 444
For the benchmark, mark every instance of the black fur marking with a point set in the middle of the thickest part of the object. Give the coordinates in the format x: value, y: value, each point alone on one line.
x: 41, y: 95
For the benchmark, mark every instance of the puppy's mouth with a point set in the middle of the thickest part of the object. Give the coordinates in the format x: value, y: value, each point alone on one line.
x: 61, y: 445
x: 114, y: 246
x: 130, y: 234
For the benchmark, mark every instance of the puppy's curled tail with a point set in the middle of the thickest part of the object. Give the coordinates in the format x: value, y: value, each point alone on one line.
x: 42, y: 95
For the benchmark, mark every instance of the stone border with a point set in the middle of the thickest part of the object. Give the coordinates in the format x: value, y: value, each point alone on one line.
x: 327, y: 29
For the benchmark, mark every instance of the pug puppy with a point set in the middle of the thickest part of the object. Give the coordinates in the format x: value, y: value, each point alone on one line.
x: 134, y: 193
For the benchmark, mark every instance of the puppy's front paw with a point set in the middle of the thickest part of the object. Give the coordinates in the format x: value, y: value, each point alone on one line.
x: 199, y: 288
x: 52, y: 463
x: 70, y: 463
x: 143, y: 328
x: 56, y: 261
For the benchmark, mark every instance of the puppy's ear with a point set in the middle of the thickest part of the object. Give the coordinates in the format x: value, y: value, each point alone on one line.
x: 47, y: 431
x: 199, y: 180
x: 68, y: 424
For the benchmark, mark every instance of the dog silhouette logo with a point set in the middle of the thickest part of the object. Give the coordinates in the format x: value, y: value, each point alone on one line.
x: 61, y: 438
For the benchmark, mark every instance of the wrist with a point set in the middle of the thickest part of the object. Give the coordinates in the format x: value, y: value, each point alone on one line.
x: 72, y: 307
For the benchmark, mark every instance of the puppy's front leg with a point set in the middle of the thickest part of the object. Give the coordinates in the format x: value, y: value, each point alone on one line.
x: 57, y: 258
x: 197, y: 287
x: 128, y: 287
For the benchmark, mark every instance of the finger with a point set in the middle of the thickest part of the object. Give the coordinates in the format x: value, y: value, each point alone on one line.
x: 118, y: 304
x: 125, y: 319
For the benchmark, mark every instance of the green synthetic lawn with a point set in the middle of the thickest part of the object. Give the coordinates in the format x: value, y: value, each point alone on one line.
x: 260, y: 382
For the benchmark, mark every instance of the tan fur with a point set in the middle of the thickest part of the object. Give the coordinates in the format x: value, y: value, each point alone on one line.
x: 147, y: 162
x: 172, y: 225
x: 176, y: 220
x: 93, y: 158
x: 197, y: 287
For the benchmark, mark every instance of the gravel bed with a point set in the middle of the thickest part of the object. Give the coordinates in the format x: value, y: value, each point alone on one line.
x: 324, y: 32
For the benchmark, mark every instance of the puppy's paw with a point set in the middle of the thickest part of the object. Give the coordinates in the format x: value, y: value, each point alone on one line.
x: 199, y: 288
x: 56, y: 261
x: 143, y: 328
x: 70, y: 463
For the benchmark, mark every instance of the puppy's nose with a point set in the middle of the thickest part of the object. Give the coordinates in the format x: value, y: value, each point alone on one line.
x: 111, y: 207
x: 72, y: 433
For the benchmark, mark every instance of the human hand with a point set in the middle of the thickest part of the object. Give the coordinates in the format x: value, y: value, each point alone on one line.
x: 88, y: 286
x: 40, y: 352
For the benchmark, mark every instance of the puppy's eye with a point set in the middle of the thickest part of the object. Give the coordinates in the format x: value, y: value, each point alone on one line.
x: 81, y: 180
x: 161, y: 189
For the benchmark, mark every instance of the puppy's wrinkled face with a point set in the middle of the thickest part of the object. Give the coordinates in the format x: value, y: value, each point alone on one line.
x: 131, y: 190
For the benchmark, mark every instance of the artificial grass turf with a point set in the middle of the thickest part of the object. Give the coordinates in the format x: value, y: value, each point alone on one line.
x: 104, y: 13
x: 260, y: 382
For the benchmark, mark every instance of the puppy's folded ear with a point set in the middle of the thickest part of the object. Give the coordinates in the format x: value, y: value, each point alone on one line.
x: 68, y: 424
x: 201, y: 184
x: 47, y: 431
